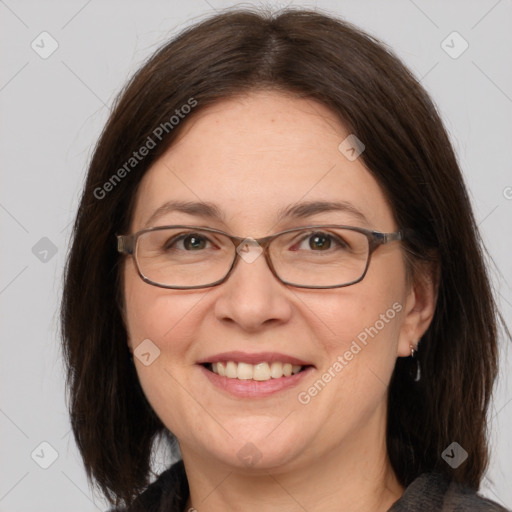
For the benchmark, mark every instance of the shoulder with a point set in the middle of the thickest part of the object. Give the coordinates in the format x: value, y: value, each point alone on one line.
x: 168, y: 492
x: 435, y: 492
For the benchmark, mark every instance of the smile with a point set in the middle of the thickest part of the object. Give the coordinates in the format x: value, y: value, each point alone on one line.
x: 243, y: 375
x: 259, y: 372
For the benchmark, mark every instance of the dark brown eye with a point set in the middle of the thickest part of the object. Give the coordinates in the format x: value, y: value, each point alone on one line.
x: 186, y: 242
x: 194, y: 242
x: 319, y: 241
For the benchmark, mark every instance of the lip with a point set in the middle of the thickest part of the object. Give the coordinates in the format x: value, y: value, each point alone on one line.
x: 255, y: 358
x: 253, y: 388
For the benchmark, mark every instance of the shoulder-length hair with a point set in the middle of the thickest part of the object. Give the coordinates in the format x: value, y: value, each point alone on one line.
x: 408, y: 152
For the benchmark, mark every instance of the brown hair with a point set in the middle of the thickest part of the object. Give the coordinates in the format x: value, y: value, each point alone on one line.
x: 407, y: 151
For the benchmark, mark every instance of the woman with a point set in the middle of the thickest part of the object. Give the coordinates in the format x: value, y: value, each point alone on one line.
x: 275, y: 267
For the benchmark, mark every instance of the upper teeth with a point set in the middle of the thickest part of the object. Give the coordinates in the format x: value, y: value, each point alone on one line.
x: 260, y: 371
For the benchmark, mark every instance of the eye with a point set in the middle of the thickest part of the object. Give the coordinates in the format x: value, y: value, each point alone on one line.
x: 321, y: 242
x: 187, y: 242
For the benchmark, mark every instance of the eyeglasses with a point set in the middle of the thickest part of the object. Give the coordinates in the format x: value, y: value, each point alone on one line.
x: 188, y: 257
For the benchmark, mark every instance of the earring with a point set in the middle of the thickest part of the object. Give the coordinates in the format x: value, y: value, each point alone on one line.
x: 414, y: 369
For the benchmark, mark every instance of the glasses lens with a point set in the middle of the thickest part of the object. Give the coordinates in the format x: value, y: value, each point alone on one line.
x: 320, y: 256
x: 184, y: 256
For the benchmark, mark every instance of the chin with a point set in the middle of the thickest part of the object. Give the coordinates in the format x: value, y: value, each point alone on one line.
x: 254, y: 449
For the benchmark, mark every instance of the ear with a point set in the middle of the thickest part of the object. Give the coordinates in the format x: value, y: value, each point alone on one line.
x: 420, y: 306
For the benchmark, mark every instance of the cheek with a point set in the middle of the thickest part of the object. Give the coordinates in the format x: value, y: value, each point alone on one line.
x: 163, y: 323
x: 358, y: 328
x: 371, y: 309
x: 359, y: 351
x: 156, y: 313
x: 360, y: 345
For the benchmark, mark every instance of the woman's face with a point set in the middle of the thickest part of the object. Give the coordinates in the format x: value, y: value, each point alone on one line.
x: 253, y: 157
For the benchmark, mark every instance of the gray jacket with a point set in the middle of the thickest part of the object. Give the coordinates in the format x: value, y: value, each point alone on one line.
x: 430, y: 492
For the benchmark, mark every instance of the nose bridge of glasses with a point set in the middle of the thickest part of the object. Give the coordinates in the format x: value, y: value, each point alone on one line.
x: 250, y: 241
x: 249, y: 249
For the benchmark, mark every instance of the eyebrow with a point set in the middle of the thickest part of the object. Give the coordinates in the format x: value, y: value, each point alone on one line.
x: 309, y: 208
x: 294, y: 211
x: 197, y: 208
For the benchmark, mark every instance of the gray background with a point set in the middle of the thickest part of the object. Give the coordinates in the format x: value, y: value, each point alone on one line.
x: 52, y: 111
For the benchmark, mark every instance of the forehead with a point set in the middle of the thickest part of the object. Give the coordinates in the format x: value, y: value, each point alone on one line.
x: 253, y: 156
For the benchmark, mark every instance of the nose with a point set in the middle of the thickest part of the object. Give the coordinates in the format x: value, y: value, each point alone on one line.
x: 252, y: 297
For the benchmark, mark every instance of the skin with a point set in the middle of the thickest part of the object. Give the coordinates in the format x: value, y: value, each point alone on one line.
x: 251, y: 156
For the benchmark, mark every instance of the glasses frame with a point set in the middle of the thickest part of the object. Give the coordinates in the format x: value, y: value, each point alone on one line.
x: 127, y: 244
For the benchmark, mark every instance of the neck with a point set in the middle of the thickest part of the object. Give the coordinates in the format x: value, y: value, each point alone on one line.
x: 354, y: 477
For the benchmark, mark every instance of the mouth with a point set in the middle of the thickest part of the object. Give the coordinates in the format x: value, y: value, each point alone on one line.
x: 254, y: 375
x: 260, y: 372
